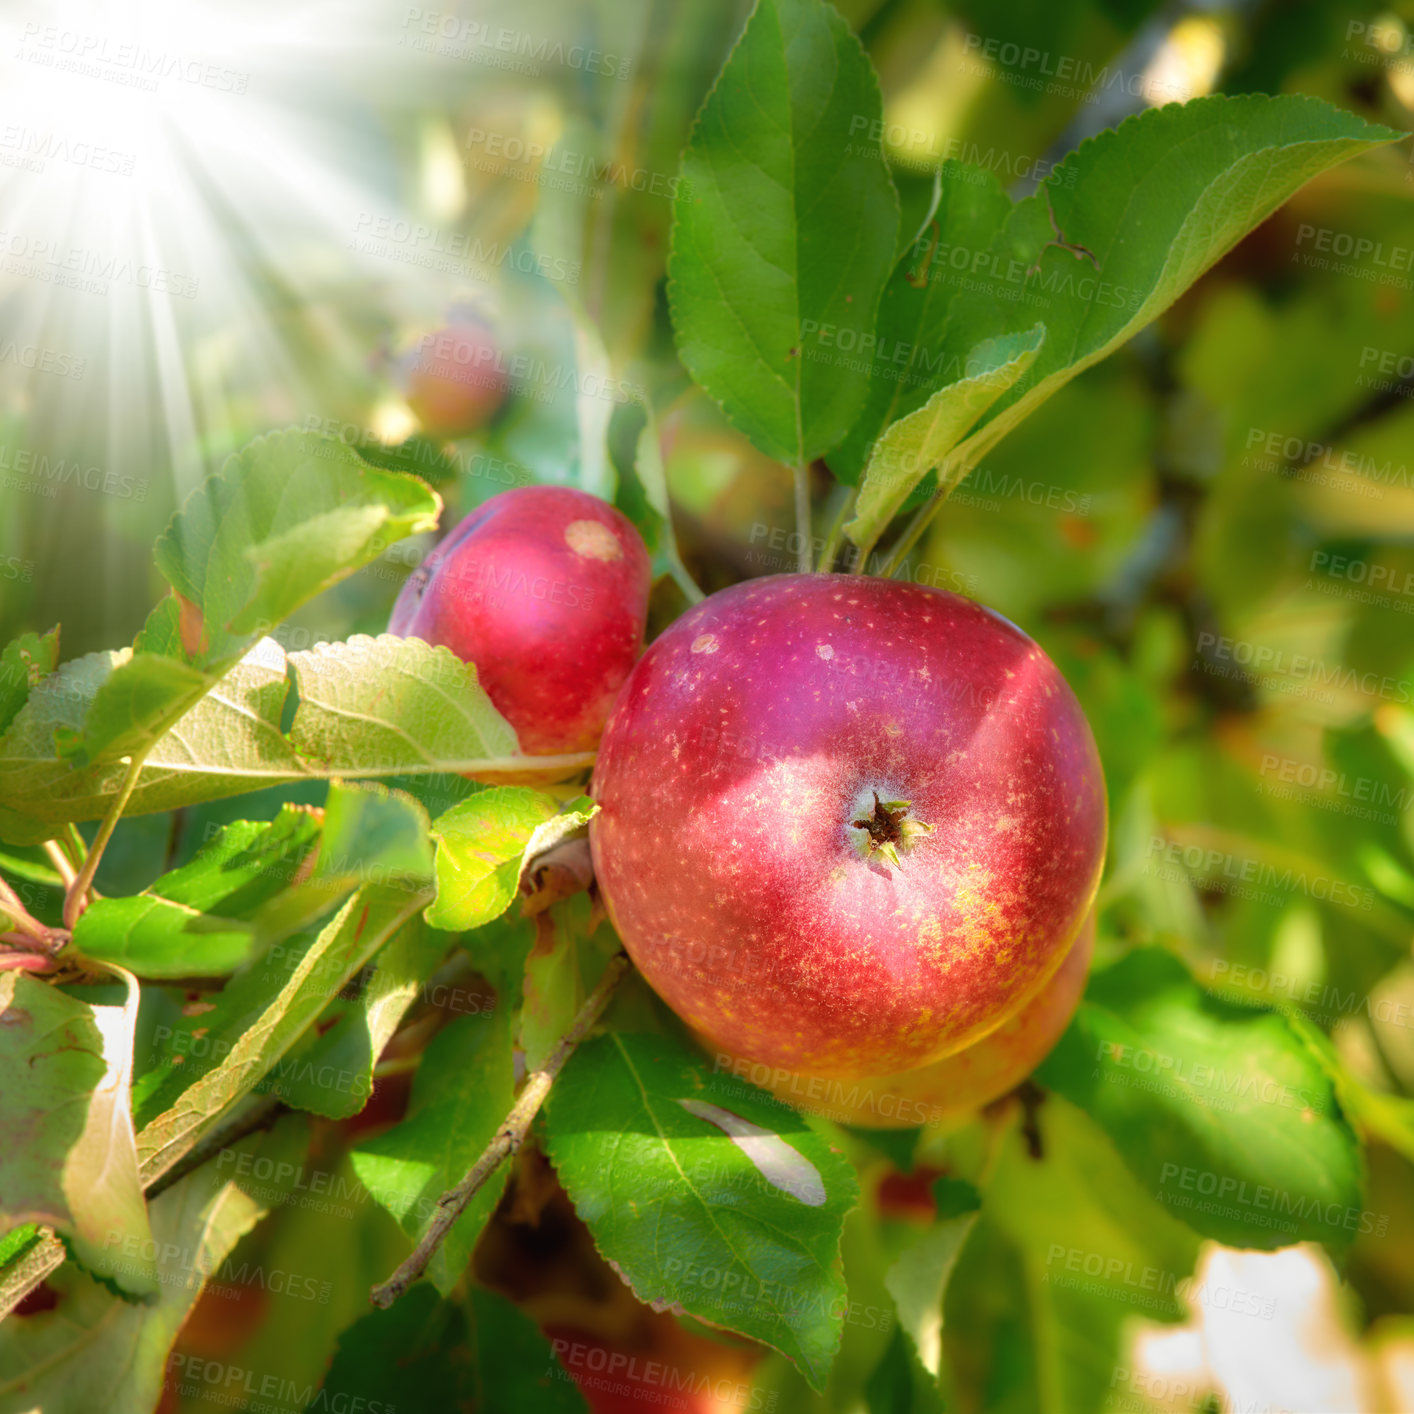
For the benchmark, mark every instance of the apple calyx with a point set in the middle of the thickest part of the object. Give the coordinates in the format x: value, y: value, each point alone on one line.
x: 887, y: 830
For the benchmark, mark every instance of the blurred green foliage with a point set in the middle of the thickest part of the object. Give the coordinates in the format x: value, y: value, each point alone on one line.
x: 1212, y: 533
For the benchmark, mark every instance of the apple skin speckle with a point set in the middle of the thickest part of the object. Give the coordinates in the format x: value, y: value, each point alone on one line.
x: 950, y: 1088
x: 727, y: 781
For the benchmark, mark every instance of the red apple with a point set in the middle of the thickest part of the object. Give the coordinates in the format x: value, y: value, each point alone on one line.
x: 455, y: 384
x: 957, y: 1084
x: 545, y: 589
x: 847, y: 826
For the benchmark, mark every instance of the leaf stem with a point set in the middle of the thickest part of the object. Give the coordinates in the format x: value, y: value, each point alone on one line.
x: 26, y: 962
x: 801, y: 475
x: 473, y: 766
x: 692, y: 591
x: 911, y: 536
x: 23, y: 925
x: 74, y: 900
x: 836, y: 534
x: 63, y: 865
x: 508, y: 1138
x: 78, y: 850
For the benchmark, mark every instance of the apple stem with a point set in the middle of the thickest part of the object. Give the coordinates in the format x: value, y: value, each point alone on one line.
x: 508, y: 1138
x: 802, y: 515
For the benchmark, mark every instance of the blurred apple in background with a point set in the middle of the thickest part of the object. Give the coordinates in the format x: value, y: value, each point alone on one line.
x: 455, y: 383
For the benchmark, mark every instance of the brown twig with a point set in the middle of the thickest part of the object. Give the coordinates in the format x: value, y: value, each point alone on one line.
x: 508, y: 1138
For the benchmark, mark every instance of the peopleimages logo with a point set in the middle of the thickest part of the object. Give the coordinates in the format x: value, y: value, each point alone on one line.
x: 27, y: 470
x: 438, y: 31
x: 510, y: 155
x: 1263, y: 1199
x: 102, y: 56
x: 1260, y: 659
x: 38, y: 360
x: 220, y: 1383
x: 1217, y: 869
x: 1360, y: 257
x: 1190, y: 1075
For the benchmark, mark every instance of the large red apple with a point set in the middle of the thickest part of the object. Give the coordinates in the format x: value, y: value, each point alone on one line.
x: 455, y: 383
x: 545, y: 589
x: 847, y: 826
x: 954, y: 1086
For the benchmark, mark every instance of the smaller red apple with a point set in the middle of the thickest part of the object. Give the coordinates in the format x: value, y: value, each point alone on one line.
x: 545, y: 590
x: 455, y: 384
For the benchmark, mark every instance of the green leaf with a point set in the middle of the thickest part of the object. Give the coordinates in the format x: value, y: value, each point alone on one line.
x: 93, y: 1351
x: 643, y: 497
x: 329, y: 1230
x: 480, y: 845
x: 414, y: 1357
x: 515, y: 1366
x: 1222, y: 1111
x: 23, y: 663
x: 911, y: 360
x: 898, y: 1384
x: 380, y: 706
x: 135, y: 705
x: 30, y: 1263
x: 499, y: 951
x: 783, y: 230
x: 416, y: 455
x: 911, y: 447
x: 69, y: 1158
x: 1128, y: 222
x: 1069, y: 1254
x: 705, y: 1193
x: 571, y: 822
x: 287, y: 516
x: 18, y: 1241
x: 463, y: 1090
x: 198, y: 920
x: 919, y: 1278
x: 560, y: 972
x: 211, y: 1060
x: 331, y: 1073
x: 373, y: 834
x: 229, y: 743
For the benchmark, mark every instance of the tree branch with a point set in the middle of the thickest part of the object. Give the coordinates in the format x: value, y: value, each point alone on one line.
x: 508, y: 1138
